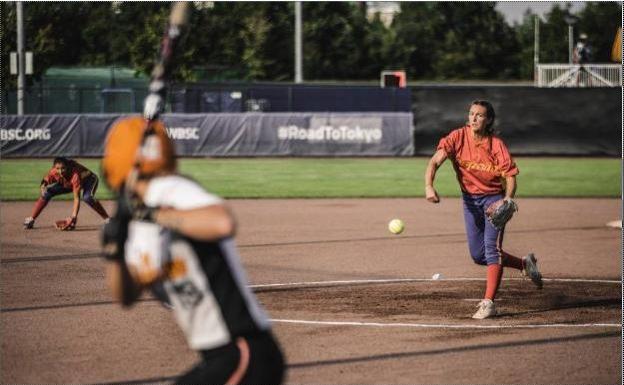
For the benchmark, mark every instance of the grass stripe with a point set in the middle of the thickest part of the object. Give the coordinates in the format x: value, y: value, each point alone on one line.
x: 344, y: 177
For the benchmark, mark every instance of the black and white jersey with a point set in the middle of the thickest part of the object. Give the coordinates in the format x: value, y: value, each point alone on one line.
x: 205, y: 280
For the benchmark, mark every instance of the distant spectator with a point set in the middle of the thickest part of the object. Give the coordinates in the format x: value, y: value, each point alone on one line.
x: 582, y: 51
x: 582, y: 56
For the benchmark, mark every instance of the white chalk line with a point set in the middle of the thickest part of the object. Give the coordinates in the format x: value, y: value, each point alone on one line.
x: 398, y: 280
x: 446, y: 326
x: 432, y: 326
x: 481, y: 299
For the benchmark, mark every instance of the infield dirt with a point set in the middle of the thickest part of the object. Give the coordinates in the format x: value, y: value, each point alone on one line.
x: 60, y: 326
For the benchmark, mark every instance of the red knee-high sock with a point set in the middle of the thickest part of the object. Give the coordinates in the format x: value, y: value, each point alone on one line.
x: 511, y: 261
x: 97, y: 206
x: 494, y: 275
x: 39, y: 206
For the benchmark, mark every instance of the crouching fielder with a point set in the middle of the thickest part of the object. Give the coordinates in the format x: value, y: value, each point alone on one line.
x: 173, y: 237
x: 486, y: 173
x: 67, y: 176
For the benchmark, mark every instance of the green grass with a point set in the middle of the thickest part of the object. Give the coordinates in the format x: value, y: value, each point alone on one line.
x: 340, y: 177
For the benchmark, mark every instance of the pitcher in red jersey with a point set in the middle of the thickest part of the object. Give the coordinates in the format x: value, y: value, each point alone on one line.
x: 67, y: 176
x: 486, y: 173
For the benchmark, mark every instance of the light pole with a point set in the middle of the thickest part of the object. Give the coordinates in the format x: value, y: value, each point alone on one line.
x: 20, y: 59
x: 571, y: 20
x: 570, y: 43
x: 298, y: 44
x: 536, y: 49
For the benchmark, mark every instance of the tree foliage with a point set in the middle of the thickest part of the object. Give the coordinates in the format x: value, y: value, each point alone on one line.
x: 597, y: 21
x: 253, y: 41
x: 525, y: 35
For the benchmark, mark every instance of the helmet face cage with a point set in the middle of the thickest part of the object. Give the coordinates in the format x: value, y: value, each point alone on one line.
x: 136, y: 144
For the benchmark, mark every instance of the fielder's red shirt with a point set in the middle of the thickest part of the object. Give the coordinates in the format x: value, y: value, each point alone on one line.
x: 75, y: 173
x: 481, y: 164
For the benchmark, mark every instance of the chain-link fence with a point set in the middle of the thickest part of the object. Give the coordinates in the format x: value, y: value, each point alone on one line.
x: 212, y: 98
x: 71, y: 100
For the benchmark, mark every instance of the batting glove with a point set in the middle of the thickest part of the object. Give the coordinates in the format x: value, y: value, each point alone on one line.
x: 144, y: 213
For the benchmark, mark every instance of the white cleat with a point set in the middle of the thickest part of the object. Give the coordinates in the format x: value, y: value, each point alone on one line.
x: 29, y: 223
x: 486, y: 310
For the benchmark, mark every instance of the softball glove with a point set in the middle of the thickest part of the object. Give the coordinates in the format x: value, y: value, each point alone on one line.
x: 500, y: 212
x: 66, y: 224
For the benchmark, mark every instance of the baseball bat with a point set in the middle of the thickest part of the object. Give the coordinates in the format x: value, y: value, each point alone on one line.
x: 157, y: 91
x: 177, y: 20
x: 155, y: 100
x: 161, y: 72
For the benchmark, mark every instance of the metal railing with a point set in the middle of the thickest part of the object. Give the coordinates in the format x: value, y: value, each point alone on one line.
x: 578, y: 75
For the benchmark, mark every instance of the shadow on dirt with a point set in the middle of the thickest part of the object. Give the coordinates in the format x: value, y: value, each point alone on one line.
x: 459, y: 349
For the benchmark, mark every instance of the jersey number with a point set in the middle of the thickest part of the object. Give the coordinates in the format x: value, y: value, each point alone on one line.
x: 188, y: 293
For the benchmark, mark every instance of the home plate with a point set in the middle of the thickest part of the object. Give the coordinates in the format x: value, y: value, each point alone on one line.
x: 615, y: 224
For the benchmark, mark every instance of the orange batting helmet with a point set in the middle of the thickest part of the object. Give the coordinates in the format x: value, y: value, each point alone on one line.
x: 135, y: 142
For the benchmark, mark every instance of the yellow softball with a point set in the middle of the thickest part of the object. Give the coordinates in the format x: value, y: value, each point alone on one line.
x: 396, y: 226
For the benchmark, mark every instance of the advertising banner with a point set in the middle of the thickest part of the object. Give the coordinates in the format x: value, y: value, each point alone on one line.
x: 40, y: 135
x: 233, y: 134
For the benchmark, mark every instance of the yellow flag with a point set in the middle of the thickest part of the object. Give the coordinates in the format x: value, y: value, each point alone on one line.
x: 616, y: 50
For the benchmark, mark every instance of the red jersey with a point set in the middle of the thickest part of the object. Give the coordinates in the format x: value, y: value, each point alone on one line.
x: 480, y: 165
x: 75, y: 173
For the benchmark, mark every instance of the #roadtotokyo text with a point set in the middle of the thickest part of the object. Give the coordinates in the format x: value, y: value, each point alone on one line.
x: 330, y: 133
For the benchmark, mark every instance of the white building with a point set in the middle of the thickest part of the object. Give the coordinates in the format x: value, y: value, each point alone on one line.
x: 386, y: 10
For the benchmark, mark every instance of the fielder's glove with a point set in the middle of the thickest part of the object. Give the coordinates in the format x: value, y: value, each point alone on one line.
x: 66, y: 224
x: 500, y: 212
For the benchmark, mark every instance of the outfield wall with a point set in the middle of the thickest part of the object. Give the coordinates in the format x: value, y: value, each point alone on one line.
x: 532, y: 121
x: 224, y: 134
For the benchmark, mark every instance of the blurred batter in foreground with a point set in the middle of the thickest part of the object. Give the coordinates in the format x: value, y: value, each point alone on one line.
x: 173, y: 237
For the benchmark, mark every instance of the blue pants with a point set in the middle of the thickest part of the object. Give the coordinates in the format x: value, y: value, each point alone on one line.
x: 89, y: 187
x: 484, y: 241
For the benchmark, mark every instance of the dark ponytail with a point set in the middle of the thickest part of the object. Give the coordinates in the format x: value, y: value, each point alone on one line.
x: 62, y: 160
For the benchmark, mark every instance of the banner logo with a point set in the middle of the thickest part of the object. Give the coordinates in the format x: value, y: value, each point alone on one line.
x: 329, y: 133
x: 183, y: 133
x: 18, y: 134
x: 335, y: 129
